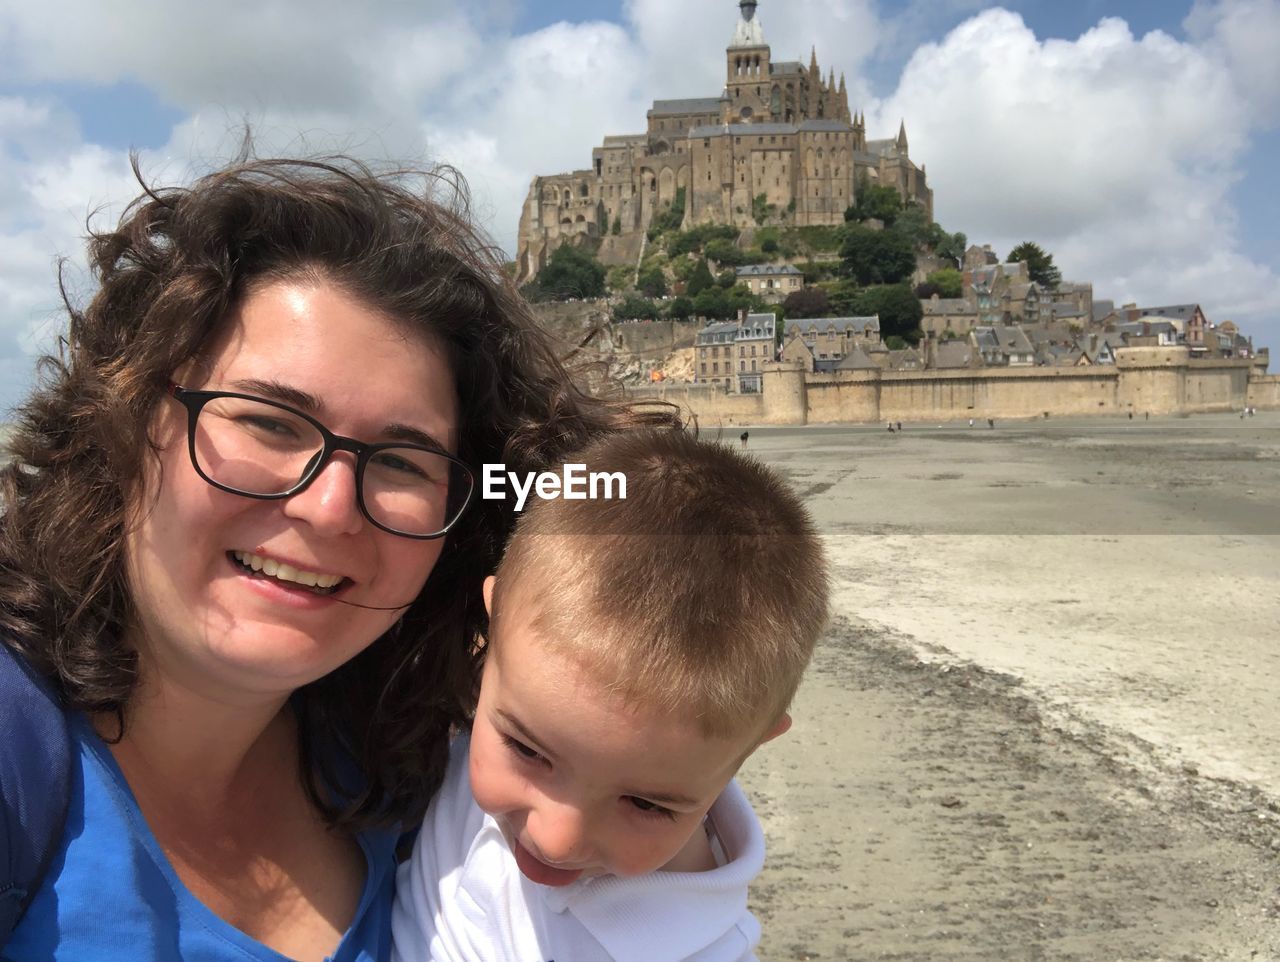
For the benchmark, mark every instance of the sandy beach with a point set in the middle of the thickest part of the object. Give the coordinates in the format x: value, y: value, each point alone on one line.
x: 1042, y: 725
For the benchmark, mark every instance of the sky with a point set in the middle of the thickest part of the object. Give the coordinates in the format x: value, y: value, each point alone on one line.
x: 1135, y: 140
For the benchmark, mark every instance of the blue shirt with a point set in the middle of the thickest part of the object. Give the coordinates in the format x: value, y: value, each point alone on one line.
x: 111, y: 895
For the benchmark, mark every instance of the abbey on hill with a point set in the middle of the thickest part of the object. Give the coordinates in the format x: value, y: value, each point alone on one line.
x: 778, y: 137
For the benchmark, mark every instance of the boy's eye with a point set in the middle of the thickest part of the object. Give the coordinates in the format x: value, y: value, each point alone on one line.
x: 521, y: 749
x: 650, y: 808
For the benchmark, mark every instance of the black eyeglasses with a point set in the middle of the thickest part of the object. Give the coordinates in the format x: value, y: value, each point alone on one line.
x: 261, y: 449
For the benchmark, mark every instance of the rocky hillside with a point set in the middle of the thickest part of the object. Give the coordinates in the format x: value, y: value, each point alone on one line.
x: 623, y: 352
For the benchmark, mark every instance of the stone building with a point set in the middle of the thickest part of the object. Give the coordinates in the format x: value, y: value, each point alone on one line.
x: 957, y: 315
x: 713, y: 354
x: 773, y: 282
x: 755, y: 343
x: 779, y: 141
x: 825, y: 341
x: 732, y: 354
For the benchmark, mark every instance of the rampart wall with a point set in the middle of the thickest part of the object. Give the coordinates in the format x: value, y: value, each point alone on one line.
x: 1264, y: 392
x: 1160, y: 381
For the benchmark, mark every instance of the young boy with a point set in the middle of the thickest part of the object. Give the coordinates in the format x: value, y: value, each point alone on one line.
x: 639, y: 650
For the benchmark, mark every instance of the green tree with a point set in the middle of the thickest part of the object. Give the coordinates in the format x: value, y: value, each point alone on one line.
x: 725, y: 253
x: 761, y: 209
x: 914, y: 223
x: 635, y: 308
x: 949, y: 280
x: 727, y: 278
x: 1039, y: 264
x: 878, y: 256
x: 670, y: 217
x: 948, y: 246
x: 681, y: 308
x: 652, y: 282
x: 616, y: 229
x: 873, y: 201
x: 713, y: 302
x: 620, y: 277
x: 898, y: 307
x: 699, y: 279
x: 807, y: 302
x: 571, y: 272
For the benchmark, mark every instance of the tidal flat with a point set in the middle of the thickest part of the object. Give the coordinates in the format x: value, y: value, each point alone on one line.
x: 1042, y: 723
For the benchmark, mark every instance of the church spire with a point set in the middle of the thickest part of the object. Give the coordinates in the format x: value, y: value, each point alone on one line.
x: 813, y: 61
x: 749, y: 32
x: 902, y: 136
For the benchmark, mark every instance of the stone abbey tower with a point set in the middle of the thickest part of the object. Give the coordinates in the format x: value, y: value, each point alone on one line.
x: 778, y: 129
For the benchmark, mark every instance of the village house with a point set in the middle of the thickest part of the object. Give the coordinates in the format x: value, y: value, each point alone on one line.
x: 1192, y: 317
x: 713, y: 354
x: 732, y: 354
x: 988, y: 286
x: 956, y: 315
x: 829, y: 339
x: 755, y: 343
x: 1003, y: 345
x: 772, y: 282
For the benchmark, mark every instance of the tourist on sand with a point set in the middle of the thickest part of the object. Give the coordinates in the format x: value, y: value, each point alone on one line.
x: 991, y: 422
x: 743, y: 437
x: 241, y: 548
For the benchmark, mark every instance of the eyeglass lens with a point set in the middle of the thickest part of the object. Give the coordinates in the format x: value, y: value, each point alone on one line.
x: 258, y: 448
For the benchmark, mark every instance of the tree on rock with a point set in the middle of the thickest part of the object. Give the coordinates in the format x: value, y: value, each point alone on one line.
x: 807, y: 302
x: 1039, y: 264
x: 878, y: 256
x: 571, y: 272
x: 899, y: 309
x: 699, y: 279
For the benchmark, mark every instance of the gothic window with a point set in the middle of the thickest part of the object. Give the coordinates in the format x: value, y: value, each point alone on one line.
x: 583, y: 192
x: 568, y: 197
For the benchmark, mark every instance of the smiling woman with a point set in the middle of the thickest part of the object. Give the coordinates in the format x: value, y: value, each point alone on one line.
x: 240, y: 547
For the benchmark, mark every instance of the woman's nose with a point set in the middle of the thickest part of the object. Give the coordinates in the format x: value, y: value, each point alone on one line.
x: 329, y: 502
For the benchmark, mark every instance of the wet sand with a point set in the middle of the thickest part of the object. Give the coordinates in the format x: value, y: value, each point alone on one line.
x: 1043, y: 722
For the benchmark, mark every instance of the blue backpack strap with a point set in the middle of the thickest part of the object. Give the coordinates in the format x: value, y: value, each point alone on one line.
x: 35, y: 783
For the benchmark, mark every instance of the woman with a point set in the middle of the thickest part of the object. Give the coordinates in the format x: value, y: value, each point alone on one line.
x: 240, y: 541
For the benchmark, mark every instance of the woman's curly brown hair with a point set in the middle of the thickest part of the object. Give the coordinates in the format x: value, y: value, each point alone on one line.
x: 169, y: 274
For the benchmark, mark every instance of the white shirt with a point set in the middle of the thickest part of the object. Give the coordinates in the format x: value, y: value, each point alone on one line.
x: 461, y: 897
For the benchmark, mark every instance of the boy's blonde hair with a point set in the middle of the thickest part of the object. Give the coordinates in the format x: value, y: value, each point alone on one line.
x: 702, y: 592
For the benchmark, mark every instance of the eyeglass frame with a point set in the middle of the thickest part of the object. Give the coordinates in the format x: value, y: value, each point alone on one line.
x: 194, y: 402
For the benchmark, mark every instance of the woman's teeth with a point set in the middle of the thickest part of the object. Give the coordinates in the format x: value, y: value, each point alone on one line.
x: 283, y: 572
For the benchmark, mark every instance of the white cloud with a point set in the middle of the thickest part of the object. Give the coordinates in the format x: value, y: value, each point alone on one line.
x: 1116, y: 153
x: 1244, y: 35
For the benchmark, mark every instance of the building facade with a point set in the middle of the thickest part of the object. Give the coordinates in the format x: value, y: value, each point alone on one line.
x: 779, y: 143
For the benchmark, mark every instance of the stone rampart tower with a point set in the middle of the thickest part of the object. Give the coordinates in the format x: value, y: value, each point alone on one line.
x: 778, y: 130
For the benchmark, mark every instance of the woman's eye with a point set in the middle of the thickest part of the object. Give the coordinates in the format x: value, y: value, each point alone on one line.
x: 269, y: 425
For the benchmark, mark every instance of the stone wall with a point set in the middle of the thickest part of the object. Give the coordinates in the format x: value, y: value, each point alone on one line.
x: 1264, y: 392
x: 1159, y: 381
x: 707, y: 404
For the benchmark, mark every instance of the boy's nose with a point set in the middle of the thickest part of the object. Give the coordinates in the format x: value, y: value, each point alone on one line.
x: 560, y: 834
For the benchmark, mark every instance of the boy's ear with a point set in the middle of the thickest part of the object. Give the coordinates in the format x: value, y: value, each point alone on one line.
x: 780, y: 727
x: 487, y: 591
